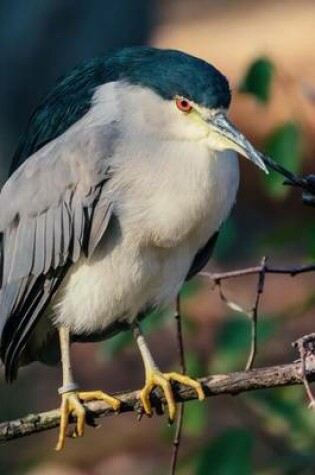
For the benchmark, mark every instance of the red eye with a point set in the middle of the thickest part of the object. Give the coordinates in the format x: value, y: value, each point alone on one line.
x: 184, y: 105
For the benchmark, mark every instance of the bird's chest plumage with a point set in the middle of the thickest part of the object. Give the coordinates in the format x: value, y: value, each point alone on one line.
x: 166, y: 211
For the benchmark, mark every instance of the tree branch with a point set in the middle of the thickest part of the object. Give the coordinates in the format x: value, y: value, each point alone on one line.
x: 215, y: 385
x: 292, y: 271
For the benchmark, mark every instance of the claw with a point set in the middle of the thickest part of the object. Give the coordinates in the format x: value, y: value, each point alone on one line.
x: 71, y: 405
x: 156, y: 379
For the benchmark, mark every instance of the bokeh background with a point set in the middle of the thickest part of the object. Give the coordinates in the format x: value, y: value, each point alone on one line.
x: 267, y: 51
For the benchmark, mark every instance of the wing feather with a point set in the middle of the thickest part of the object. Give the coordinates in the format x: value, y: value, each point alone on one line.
x: 39, y: 245
x: 49, y: 210
x: 49, y: 239
x: 78, y: 228
x: 66, y: 231
x: 101, y: 217
x: 202, y: 256
x: 41, y: 292
x: 57, y: 248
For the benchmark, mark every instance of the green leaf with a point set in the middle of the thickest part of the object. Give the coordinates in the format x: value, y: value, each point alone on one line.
x: 284, y: 146
x: 258, y: 79
x: 228, y: 454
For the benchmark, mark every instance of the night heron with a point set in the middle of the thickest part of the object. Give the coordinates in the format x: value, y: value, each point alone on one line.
x: 118, y: 189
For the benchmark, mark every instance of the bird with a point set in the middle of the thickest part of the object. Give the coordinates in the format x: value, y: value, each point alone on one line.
x: 116, y: 195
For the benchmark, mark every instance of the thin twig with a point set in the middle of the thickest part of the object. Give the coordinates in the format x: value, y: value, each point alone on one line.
x: 307, y: 184
x: 213, y: 385
x: 292, y: 271
x: 181, y: 408
x: 254, y: 315
x: 305, y: 346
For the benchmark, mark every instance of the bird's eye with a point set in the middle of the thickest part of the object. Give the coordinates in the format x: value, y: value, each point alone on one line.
x: 183, y: 105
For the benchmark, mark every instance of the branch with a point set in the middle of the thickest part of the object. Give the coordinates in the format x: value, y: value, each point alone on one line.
x: 252, y: 313
x: 292, y: 271
x: 306, y: 184
x: 215, y: 385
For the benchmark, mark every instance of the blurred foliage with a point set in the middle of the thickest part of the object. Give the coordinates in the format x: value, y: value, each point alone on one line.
x: 284, y: 143
x: 227, y: 454
x: 258, y: 79
x: 227, y: 240
x: 195, y: 413
x: 284, y: 146
x: 233, y: 339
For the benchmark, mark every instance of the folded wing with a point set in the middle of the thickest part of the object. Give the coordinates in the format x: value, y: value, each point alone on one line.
x: 53, y: 210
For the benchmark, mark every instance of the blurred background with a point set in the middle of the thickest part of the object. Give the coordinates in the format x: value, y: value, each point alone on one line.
x: 267, y: 51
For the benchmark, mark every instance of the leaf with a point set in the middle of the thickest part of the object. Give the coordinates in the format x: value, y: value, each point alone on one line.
x: 228, y: 454
x: 258, y: 79
x: 284, y: 146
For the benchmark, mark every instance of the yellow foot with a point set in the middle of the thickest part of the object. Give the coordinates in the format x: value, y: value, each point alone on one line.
x: 155, y: 378
x: 71, y: 405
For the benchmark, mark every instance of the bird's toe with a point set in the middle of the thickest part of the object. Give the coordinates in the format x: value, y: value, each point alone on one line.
x: 187, y: 381
x: 163, y: 380
x: 70, y: 406
x: 100, y: 396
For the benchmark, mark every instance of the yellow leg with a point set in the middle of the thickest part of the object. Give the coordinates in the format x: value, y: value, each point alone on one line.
x: 155, y: 378
x: 71, y: 398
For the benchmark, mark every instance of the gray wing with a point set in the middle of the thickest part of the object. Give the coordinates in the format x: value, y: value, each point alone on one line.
x: 202, y: 257
x: 53, y: 209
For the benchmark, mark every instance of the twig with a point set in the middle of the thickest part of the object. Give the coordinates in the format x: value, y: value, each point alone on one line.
x: 305, y: 346
x: 214, y: 385
x: 181, y: 409
x: 292, y: 271
x: 307, y: 184
x: 261, y: 270
x: 254, y: 315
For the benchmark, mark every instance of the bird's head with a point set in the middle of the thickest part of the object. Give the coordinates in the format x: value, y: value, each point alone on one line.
x: 173, y: 94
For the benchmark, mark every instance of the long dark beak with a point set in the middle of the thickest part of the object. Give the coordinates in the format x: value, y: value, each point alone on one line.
x: 233, y: 136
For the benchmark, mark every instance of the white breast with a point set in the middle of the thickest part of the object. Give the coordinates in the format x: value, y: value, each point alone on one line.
x: 168, y: 207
